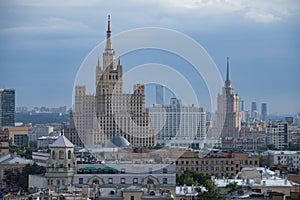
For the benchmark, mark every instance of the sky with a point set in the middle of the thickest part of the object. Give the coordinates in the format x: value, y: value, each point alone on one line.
x: 44, y: 43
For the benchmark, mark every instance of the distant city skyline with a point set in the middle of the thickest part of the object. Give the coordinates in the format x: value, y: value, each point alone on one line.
x: 44, y: 43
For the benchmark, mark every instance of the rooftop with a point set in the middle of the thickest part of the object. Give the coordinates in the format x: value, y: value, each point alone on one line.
x: 62, y: 141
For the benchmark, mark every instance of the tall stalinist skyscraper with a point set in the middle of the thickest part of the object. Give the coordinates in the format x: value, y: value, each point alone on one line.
x: 228, y: 119
x: 120, y: 114
x: 97, y: 118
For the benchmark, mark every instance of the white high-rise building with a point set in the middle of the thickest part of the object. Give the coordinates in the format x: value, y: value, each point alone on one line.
x: 277, y: 135
x: 178, y: 126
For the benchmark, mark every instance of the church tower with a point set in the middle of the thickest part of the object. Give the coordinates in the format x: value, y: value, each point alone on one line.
x: 61, y: 164
x: 227, y: 116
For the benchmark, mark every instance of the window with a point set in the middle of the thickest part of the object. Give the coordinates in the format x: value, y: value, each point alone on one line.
x: 57, y: 182
x: 69, y: 154
x: 165, y: 181
x: 95, y: 181
x: 80, y: 180
x: 61, y: 154
x: 110, y: 181
x: 135, y: 180
x: 131, y: 197
x: 63, y: 182
x: 165, y: 170
x: 122, y: 180
x: 122, y: 171
x: 53, y: 155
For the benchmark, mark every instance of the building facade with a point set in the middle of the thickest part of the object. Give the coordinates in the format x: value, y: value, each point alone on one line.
x: 264, y: 112
x: 17, y: 135
x: 177, y: 125
x: 110, y: 112
x: 277, y: 135
x: 7, y: 107
x: 221, y: 164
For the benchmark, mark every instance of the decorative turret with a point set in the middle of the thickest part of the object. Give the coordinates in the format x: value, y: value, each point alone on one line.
x: 61, y: 164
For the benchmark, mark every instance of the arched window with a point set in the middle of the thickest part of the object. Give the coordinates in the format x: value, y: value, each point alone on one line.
x: 69, y: 154
x: 61, y: 154
x: 53, y: 154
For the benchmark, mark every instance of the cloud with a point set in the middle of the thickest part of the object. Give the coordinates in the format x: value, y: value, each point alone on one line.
x: 262, y: 17
x: 255, y: 10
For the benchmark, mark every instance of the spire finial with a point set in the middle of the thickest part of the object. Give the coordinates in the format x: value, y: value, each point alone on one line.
x: 108, y: 35
x: 108, y: 24
x: 227, y: 82
x: 119, y: 61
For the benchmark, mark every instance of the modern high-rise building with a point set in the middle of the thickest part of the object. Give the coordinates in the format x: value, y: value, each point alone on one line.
x: 254, y: 112
x: 242, y: 105
x: 160, y: 95
x: 228, y: 120
x: 277, y: 135
x: 177, y: 125
x: 120, y: 114
x: 264, y: 112
x: 253, y: 106
x: 7, y: 107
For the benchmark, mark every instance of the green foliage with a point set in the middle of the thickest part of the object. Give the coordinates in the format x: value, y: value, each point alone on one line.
x: 20, y: 180
x: 42, y: 118
x: 213, y: 192
x: 25, y: 152
x: 190, y: 177
x: 294, y: 147
x: 233, y: 186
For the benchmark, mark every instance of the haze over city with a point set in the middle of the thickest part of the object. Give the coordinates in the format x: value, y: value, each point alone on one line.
x: 43, y: 43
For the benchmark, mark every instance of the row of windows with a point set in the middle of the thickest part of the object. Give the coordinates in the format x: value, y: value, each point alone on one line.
x: 212, y: 162
x: 206, y: 169
x: 123, y: 181
x: 58, y: 182
x: 61, y: 154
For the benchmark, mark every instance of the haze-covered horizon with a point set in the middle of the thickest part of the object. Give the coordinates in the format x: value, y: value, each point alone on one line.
x: 43, y: 44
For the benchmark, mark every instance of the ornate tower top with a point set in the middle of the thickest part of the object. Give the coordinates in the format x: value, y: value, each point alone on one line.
x: 227, y: 82
x: 108, y: 36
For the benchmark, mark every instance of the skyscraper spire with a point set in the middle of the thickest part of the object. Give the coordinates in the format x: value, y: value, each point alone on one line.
x: 108, y: 35
x: 227, y: 82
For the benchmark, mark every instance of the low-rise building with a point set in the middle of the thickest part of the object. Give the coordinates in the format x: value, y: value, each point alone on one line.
x: 11, y: 162
x: 17, y: 135
x: 259, y: 180
x: 44, y: 141
x: 284, y: 160
x: 220, y: 164
x: 40, y: 158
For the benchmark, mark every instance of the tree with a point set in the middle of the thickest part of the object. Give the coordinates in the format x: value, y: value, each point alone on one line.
x: 212, y: 193
x: 233, y: 186
x: 190, y: 177
x: 20, y: 180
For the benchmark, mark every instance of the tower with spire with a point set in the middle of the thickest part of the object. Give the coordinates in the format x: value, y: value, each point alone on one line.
x: 227, y: 116
x: 119, y: 114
